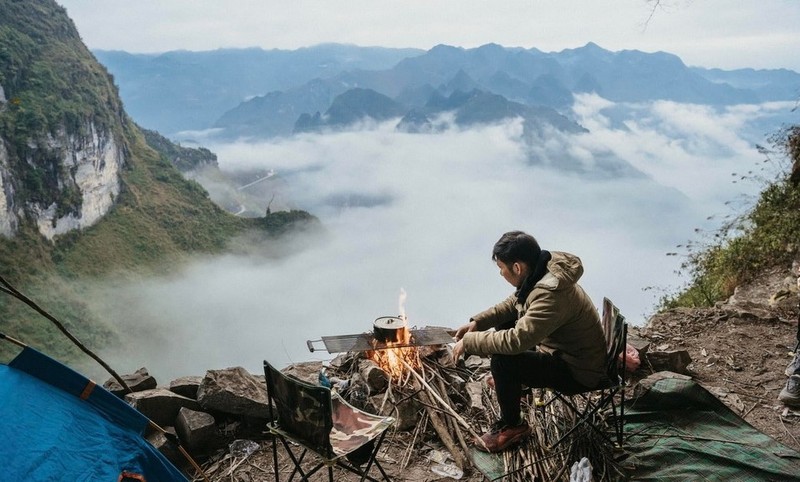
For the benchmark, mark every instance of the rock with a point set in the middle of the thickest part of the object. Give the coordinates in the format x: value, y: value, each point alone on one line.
x: 160, y: 405
x: 674, y: 361
x: 137, y: 381
x: 198, y: 430
x: 474, y: 362
x: 430, y: 351
x: 406, y: 413
x: 456, y: 382
x: 642, y: 345
x: 306, y: 371
x: 645, y: 384
x: 445, y: 357
x: 343, y: 362
x: 170, y: 450
x: 475, y: 395
x: 357, y: 393
x: 749, y: 309
x: 186, y: 386
x: 233, y: 391
x: 376, y: 379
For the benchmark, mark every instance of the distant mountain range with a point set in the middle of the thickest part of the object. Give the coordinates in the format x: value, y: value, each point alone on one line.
x: 183, y: 90
x: 253, y: 93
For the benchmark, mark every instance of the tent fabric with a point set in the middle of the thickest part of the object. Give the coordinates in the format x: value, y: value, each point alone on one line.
x: 678, y: 430
x: 50, y: 433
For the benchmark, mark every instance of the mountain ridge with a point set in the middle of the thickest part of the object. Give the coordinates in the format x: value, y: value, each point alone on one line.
x: 533, y: 78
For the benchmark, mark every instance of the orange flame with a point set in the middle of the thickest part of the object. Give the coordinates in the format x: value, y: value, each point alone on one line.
x: 391, y: 359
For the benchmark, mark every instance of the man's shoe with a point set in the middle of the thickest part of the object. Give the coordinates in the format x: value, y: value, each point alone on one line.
x: 794, y: 365
x: 502, y: 436
x: 790, y: 395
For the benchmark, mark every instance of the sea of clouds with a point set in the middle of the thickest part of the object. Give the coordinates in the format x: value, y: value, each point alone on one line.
x: 420, y: 213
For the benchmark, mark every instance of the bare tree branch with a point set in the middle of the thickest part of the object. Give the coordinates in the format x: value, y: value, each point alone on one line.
x: 7, y: 288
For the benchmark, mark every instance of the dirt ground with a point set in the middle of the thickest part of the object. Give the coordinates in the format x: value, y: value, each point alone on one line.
x: 739, y: 351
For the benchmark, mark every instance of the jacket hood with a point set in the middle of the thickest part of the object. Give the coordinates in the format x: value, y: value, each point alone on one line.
x: 563, y: 269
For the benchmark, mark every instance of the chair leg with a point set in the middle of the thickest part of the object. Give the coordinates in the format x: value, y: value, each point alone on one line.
x: 380, y: 468
x: 297, y: 463
x: 364, y: 473
x: 622, y: 417
x: 373, y: 456
x: 587, y: 413
x: 275, y: 458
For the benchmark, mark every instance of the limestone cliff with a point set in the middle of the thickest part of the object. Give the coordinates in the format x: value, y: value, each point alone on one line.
x: 87, y: 165
x: 61, y: 124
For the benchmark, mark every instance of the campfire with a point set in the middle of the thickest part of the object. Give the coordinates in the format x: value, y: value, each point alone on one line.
x: 398, y: 352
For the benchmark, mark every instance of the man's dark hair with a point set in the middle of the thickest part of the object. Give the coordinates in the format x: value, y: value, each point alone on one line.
x: 516, y: 246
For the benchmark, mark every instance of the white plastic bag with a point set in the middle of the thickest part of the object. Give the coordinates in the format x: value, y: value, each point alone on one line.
x: 581, y: 471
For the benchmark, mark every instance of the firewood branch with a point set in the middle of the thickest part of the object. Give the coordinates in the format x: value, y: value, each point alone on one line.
x: 444, y: 404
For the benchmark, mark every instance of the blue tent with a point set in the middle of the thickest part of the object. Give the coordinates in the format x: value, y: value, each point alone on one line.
x: 57, y: 425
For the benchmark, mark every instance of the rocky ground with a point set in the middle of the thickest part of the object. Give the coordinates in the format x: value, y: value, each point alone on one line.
x: 738, y: 349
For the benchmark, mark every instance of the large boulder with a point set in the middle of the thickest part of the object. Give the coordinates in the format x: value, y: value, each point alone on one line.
x: 305, y: 371
x: 233, y: 391
x: 137, y: 381
x: 186, y: 386
x: 198, y: 430
x: 160, y: 405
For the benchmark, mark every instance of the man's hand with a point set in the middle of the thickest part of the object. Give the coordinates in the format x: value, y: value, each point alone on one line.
x: 465, y: 329
x: 458, y: 350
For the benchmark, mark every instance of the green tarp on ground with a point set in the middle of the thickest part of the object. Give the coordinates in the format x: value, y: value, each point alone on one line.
x: 678, y: 430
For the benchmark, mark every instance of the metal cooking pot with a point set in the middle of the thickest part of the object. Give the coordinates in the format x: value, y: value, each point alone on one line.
x: 389, y: 329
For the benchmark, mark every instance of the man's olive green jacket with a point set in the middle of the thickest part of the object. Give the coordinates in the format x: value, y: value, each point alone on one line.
x: 557, y: 316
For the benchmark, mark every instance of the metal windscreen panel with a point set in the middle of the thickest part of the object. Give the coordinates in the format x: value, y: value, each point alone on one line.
x: 367, y: 341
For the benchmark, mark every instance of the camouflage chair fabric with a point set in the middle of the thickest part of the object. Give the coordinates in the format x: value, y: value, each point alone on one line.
x: 353, y: 428
x: 304, y: 411
x: 321, y: 421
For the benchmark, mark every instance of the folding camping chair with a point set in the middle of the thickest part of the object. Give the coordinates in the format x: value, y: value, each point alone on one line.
x: 591, y: 404
x: 322, y: 422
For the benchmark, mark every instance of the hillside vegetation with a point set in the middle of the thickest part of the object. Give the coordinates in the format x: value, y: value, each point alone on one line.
x: 54, y: 84
x: 765, y: 236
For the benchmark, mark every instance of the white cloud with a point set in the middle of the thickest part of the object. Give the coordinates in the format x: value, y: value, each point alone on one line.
x: 692, y: 148
x: 443, y: 200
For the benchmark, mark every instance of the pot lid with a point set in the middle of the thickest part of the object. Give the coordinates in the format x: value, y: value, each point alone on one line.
x: 390, y: 322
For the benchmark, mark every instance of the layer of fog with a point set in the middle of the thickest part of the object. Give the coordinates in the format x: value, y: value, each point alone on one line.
x: 421, y: 213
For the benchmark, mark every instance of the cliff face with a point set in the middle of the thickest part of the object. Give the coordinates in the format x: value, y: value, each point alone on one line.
x: 61, y: 147
x: 8, y: 218
x: 91, y: 164
x: 88, y: 166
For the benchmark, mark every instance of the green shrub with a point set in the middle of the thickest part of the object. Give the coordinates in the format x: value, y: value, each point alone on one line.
x: 766, y: 236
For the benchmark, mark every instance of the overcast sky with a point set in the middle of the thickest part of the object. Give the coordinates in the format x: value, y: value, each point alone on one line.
x: 708, y: 33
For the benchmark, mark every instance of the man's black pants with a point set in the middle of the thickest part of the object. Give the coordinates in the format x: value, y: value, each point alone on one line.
x: 534, y: 369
